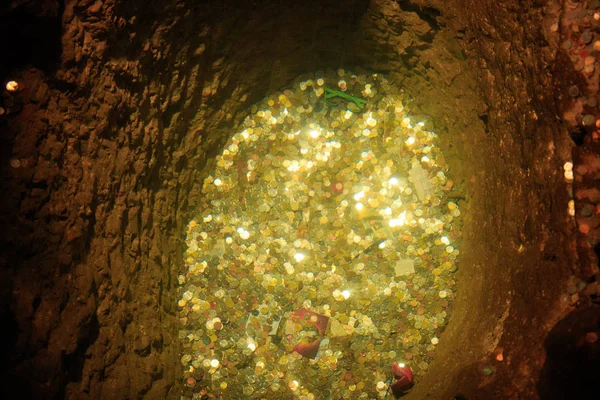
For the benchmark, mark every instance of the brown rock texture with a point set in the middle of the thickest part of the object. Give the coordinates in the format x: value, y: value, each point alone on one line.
x: 113, y: 142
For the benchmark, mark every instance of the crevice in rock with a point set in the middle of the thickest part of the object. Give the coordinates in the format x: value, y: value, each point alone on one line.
x: 427, y: 14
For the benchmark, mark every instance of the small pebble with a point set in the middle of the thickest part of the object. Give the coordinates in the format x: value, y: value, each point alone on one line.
x: 589, y: 120
x: 573, y: 91
x: 587, y: 210
x: 587, y: 37
x: 581, y: 169
x: 592, y: 101
x: 567, y: 44
x: 591, y: 337
x: 584, y: 228
x: 15, y: 163
x: 575, y: 298
x: 487, y: 371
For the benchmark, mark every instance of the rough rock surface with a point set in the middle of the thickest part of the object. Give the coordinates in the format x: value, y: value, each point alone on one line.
x: 112, y: 143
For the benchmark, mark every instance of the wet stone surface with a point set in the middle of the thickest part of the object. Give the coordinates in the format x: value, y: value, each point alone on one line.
x: 328, y: 221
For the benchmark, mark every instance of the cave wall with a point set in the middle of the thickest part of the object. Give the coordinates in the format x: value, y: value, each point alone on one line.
x: 112, y: 145
x: 518, y: 250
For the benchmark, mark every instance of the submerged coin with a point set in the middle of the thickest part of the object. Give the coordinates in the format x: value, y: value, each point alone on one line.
x: 329, y: 201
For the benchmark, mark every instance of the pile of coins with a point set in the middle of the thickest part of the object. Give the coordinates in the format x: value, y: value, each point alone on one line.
x: 327, y: 198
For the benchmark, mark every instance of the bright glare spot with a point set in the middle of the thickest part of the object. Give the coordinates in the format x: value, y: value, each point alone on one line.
x: 400, y: 221
x: 410, y: 141
x: 435, y: 340
x: 393, y: 181
x: 252, y: 346
x: 214, y: 363
x: 314, y: 133
x: 12, y: 86
x: 359, y: 206
x: 382, y: 245
x: 294, y: 166
x: 425, y: 159
x: 569, y: 175
x: 388, y: 211
x: 568, y: 166
x: 244, y: 234
x: 294, y: 385
x: 401, y: 365
x: 359, y: 195
x: 445, y: 240
x: 299, y: 257
x: 346, y: 294
x: 218, y: 182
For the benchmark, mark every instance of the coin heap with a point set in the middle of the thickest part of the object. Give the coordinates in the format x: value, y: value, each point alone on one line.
x: 327, y: 198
